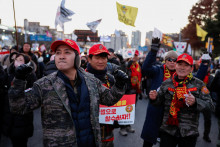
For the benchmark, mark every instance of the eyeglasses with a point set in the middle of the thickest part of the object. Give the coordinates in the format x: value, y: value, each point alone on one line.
x: 170, y: 60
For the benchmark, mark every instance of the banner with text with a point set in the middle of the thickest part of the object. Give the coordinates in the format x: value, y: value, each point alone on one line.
x: 123, y: 111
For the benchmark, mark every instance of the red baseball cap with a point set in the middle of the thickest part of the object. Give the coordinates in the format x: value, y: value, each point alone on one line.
x: 98, y: 49
x: 67, y: 42
x: 136, y: 52
x: 185, y: 57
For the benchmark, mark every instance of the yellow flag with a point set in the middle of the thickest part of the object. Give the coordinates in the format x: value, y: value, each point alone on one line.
x: 126, y: 14
x: 200, y: 32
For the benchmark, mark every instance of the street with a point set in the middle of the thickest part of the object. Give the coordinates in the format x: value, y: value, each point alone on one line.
x: 132, y: 140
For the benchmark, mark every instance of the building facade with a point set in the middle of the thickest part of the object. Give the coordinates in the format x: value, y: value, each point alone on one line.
x: 118, y: 41
x: 135, y: 39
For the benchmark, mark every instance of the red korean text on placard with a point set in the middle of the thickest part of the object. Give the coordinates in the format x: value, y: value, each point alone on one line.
x: 118, y: 117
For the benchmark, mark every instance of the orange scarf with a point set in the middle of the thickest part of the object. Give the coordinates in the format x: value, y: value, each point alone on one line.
x: 167, y: 73
x: 178, y: 100
x: 136, y: 76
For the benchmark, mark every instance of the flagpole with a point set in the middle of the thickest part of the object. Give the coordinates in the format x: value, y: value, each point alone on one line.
x: 16, y: 33
x: 63, y: 32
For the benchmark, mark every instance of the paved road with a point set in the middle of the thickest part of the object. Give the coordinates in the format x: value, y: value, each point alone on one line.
x: 132, y: 140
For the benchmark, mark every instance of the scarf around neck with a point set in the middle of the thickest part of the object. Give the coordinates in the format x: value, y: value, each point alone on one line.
x: 167, y: 73
x: 136, y: 76
x: 178, y: 100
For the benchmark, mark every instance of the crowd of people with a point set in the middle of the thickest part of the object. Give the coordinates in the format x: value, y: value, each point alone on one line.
x: 69, y: 87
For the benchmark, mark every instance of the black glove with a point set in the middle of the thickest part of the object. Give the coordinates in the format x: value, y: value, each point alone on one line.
x: 155, y: 45
x: 23, y: 71
x: 121, y: 78
x: 206, y: 61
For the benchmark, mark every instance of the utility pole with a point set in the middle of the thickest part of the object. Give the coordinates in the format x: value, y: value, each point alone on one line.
x: 16, y: 33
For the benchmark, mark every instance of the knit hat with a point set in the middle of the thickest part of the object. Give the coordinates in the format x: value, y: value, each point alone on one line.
x: 170, y: 54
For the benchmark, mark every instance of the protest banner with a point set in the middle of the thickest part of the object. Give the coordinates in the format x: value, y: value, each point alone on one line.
x: 123, y: 111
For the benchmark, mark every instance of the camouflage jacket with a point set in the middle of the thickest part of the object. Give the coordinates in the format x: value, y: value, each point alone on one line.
x: 188, y: 116
x: 50, y: 94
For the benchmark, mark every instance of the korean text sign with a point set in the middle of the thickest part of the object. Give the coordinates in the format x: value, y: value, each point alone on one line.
x: 123, y: 111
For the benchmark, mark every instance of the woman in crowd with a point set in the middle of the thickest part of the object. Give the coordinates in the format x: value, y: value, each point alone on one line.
x: 17, y: 127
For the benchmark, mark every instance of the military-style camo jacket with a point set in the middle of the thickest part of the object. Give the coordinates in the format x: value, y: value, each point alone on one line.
x: 188, y: 116
x: 50, y: 94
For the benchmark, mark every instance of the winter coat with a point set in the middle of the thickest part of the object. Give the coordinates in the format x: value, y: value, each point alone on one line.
x: 50, y: 94
x: 154, y: 114
x: 3, y: 91
x: 188, y: 117
x: 106, y: 78
x: 111, y: 67
x: 50, y: 68
x: 14, y: 125
x: 215, y: 88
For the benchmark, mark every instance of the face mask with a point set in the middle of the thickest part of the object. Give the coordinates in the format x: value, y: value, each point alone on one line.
x: 16, y: 63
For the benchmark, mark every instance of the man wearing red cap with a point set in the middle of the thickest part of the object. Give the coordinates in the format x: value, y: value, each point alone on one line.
x: 98, y: 57
x: 134, y: 70
x: 69, y: 99
x: 182, y: 96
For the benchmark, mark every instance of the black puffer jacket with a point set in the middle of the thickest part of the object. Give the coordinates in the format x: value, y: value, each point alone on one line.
x: 2, y: 92
x: 50, y: 68
x: 14, y: 125
x: 215, y: 88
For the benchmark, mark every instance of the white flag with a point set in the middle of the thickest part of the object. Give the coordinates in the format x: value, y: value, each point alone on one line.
x: 88, y: 38
x: 57, y: 19
x: 157, y: 34
x: 189, y: 50
x: 93, y: 25
x: 62, y: 15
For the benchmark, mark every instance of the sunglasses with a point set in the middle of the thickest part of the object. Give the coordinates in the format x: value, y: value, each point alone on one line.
x: 170, y: 60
